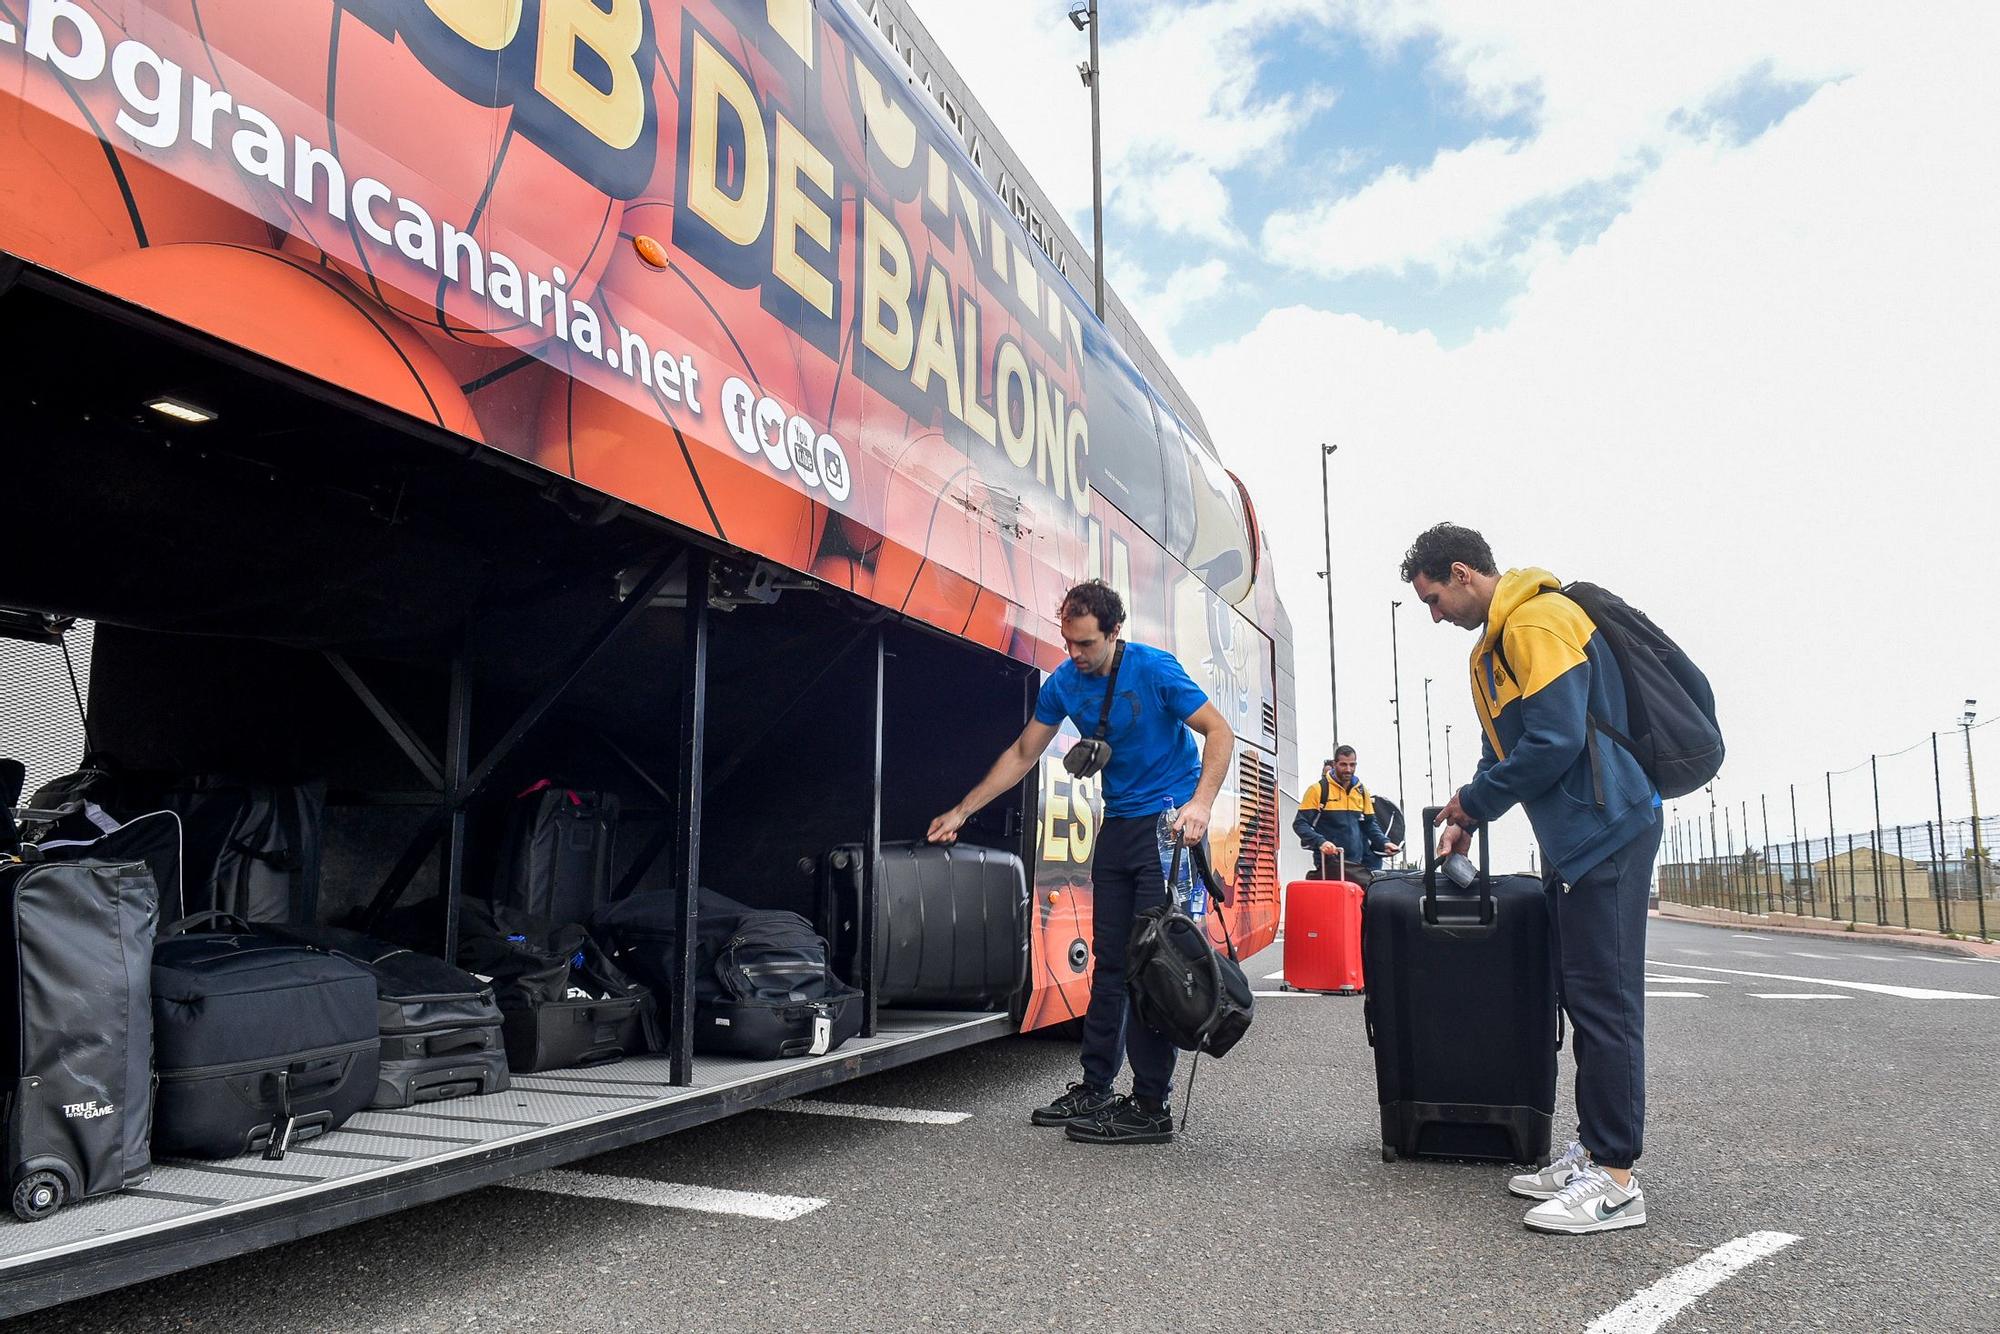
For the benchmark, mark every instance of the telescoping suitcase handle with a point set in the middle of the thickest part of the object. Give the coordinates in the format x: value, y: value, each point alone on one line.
x: 1485, y: 880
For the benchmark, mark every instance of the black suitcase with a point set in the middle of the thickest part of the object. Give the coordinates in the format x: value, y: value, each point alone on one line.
x: 951, y: 924
x: 1460, y: 1006
x: 440, y: 1026
x: 763, y: 985
x: 563, y: 1002
x: 555, y: 859
x: 76, y: 946
x: 253, y: 849
x: 259, y: 1044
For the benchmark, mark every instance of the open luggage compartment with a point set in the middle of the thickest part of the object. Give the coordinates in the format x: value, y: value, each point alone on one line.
x: 316, y: 593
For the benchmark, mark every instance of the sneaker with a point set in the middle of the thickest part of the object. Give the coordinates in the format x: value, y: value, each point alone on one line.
x: 1079, y: 1103
x: 1591, y: 1202
x: 1124, y: 1122
x: 1544, y: 1184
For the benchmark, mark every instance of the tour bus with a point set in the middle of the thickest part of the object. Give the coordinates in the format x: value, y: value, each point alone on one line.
x: 421, y: 399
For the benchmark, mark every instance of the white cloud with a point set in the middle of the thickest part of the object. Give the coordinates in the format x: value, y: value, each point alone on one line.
x: 1761, y: 404
x: 1609, y: 90
x: 1162, y: 307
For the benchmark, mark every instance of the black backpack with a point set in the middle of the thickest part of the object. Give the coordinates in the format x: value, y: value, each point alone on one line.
x: 1670, y: 724
x: 1181, y: 987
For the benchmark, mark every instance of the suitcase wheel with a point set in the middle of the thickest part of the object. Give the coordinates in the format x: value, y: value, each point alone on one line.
x: 1388, y: 1154
x: 38, y: 1195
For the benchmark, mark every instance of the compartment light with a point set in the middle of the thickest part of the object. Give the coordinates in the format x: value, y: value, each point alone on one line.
x: 179, y: 411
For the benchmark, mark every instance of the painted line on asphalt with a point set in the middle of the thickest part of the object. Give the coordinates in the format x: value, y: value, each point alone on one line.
x: 1803, y: 955
x: 668, y: 1195
x: 1799, y: 995
x: 1681, y: 995
x: 1698, y: 981
x: 1754, y: 954
x: 1290, y: 992
x: 861, y: 1111
x: 1743, y: 935
x: 1652, y: 1307
x: 1683, y: 949
x: 1879, y: 988
x: 1278, y: 976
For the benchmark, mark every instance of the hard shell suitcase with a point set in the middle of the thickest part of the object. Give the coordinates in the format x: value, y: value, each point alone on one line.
x: 76, y: 946
x: 1323, y: 935
x: 440, y: 1026
x: 1461, y: 1010
x: 563, y: 1002
x: 555, y: 860
x: 259, y: 1044
x: 763, y: 986
x: 951, y: 923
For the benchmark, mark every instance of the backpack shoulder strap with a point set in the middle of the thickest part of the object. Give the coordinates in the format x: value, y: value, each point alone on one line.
x: 1110, y: 691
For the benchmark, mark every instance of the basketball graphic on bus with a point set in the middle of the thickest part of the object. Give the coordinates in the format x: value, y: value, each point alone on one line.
x: 388, y: 120
x: 293, y: 313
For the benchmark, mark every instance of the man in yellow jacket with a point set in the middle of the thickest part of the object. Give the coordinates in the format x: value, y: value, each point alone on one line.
x: 1337, y: 816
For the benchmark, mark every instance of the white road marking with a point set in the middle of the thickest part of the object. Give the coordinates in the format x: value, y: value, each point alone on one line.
x: 1879, y: 988
x: 1682, y: 949
x: 1755, y: 954
x: 1278, y: 976
x: 862, y: 1111
x: 1698, y: 981
x: 1681, y: 995
x: 1335, y: 995
x: 1803, y: 955
x: 1652, y: 1307
x: 669, y: 1195
x: 1799, y: 995
x: 1741, y: 935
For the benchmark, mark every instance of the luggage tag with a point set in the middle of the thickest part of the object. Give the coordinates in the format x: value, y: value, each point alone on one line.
x: 822, y: 1034
x: 281, y: 1134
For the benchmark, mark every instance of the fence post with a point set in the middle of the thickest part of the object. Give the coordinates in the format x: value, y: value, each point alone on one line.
x: 1937, y: 885
x: 1903, y: 874
x: 1729, y: 866
x: 1796, y: 892
x: 1832, y: 873
x: 1853, y: 895
x: 1937, y: 840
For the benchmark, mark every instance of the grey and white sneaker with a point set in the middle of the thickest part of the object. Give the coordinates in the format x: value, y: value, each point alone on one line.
x: 1591, y: 1202
x: 1544, y: 1184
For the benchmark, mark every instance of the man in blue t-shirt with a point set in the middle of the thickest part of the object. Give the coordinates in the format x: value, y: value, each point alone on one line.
x: 1156, y: 713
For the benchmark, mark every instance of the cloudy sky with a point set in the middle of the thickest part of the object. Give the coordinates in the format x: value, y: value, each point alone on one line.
x: 1697, y: 301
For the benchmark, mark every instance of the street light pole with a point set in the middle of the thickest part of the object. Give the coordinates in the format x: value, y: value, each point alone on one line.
x: 1396, y: 702
x: 1084, y: 16
x: 1326, y: 522
x: 1972, y: 782
x: 1430, y: 760
x: 1447, y: 759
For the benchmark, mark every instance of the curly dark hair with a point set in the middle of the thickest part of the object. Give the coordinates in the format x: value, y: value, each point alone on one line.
x: 1438, y: 548
x: 1094, y: 597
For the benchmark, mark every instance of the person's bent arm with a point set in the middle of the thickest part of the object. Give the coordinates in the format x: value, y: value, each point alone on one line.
x: 1012, y: 766
x: 1217, y: 744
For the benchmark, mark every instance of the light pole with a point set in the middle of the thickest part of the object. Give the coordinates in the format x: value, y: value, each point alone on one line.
x: 1972, y: 782
x: 1448, y: 785
x: 1396, y: 702
x: 1084, y: 16
x: 1430, y: 760
x: 1326, y: 523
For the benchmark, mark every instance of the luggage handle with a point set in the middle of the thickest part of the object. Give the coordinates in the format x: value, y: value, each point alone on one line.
x: 1485, y: 882
x: 227, y: 921
x: 452, y: 1043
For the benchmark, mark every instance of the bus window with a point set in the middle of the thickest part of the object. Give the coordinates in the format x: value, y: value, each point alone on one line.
x: 1124, y: 439
x: 1209, y: 531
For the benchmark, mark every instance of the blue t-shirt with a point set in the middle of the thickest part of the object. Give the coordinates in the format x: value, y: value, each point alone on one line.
x: 1154, y: 760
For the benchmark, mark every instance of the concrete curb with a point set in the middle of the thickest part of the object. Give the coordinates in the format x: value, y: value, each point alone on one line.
x: 1792, y: 925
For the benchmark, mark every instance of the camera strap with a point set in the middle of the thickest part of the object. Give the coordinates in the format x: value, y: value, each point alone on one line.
x: 1110, y: 690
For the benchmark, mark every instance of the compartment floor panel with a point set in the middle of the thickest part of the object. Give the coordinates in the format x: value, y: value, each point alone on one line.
x: 546, y: 1105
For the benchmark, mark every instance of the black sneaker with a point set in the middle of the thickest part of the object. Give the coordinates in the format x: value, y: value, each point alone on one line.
x: 1079, y: 1103
x: 1124, y: 1122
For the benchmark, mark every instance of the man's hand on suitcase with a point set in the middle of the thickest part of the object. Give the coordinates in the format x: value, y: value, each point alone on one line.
x: 945, y: 828
x: 1458, y: 828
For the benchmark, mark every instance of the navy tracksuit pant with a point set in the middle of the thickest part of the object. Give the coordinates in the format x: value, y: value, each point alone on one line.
x: 1125, y: 877
x: 1600, y: 929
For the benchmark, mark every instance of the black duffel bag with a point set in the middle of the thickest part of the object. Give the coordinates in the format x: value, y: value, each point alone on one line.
x: 1181, y: 987
x: 563, y: 1002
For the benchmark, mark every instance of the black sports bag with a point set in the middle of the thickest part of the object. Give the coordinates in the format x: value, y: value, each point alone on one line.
x: 1181, y: 987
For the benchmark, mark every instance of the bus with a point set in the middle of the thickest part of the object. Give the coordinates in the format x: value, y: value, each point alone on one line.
x: 417, y: 399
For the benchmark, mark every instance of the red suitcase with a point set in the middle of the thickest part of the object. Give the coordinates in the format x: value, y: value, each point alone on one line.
x: 1323, y: 935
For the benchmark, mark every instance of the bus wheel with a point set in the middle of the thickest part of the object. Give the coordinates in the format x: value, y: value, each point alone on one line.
x: 38, y: 1195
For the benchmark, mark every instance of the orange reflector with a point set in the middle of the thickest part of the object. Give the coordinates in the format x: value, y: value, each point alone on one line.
x: 651, y: 251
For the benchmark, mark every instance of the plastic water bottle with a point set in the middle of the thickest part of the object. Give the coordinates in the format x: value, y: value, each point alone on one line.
x: 1186, y: 889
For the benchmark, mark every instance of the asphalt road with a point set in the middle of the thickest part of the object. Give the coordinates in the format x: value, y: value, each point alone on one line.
x: 1864, y: 1125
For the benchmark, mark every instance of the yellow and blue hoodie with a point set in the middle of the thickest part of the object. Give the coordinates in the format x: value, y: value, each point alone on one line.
x: 1584, y: 793
x: 1342, y: 816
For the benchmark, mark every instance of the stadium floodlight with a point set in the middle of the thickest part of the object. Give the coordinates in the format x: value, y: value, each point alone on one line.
x: 1079, y: 14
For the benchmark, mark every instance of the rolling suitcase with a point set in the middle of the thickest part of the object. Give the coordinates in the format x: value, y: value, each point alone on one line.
x: 951, y: 924
x: 1462, y: 1013
x: 1323, y: 934
x: 440, y: 1026
x: 763, y: 986
x: 555, y: 860
x: 563, y: 1002
x: 259, y: 1044
x: 76, y: 1027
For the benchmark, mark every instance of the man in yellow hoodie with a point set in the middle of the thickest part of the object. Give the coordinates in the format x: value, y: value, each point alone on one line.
x: 1544, y: 685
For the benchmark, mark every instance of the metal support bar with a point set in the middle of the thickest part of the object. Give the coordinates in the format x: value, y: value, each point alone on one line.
x: 392, y: 722
x: 458, y: 752
x: 871, y: 868
x: 687, y: 813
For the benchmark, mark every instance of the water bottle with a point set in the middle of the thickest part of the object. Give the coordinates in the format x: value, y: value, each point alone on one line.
x: 1186, y: 889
